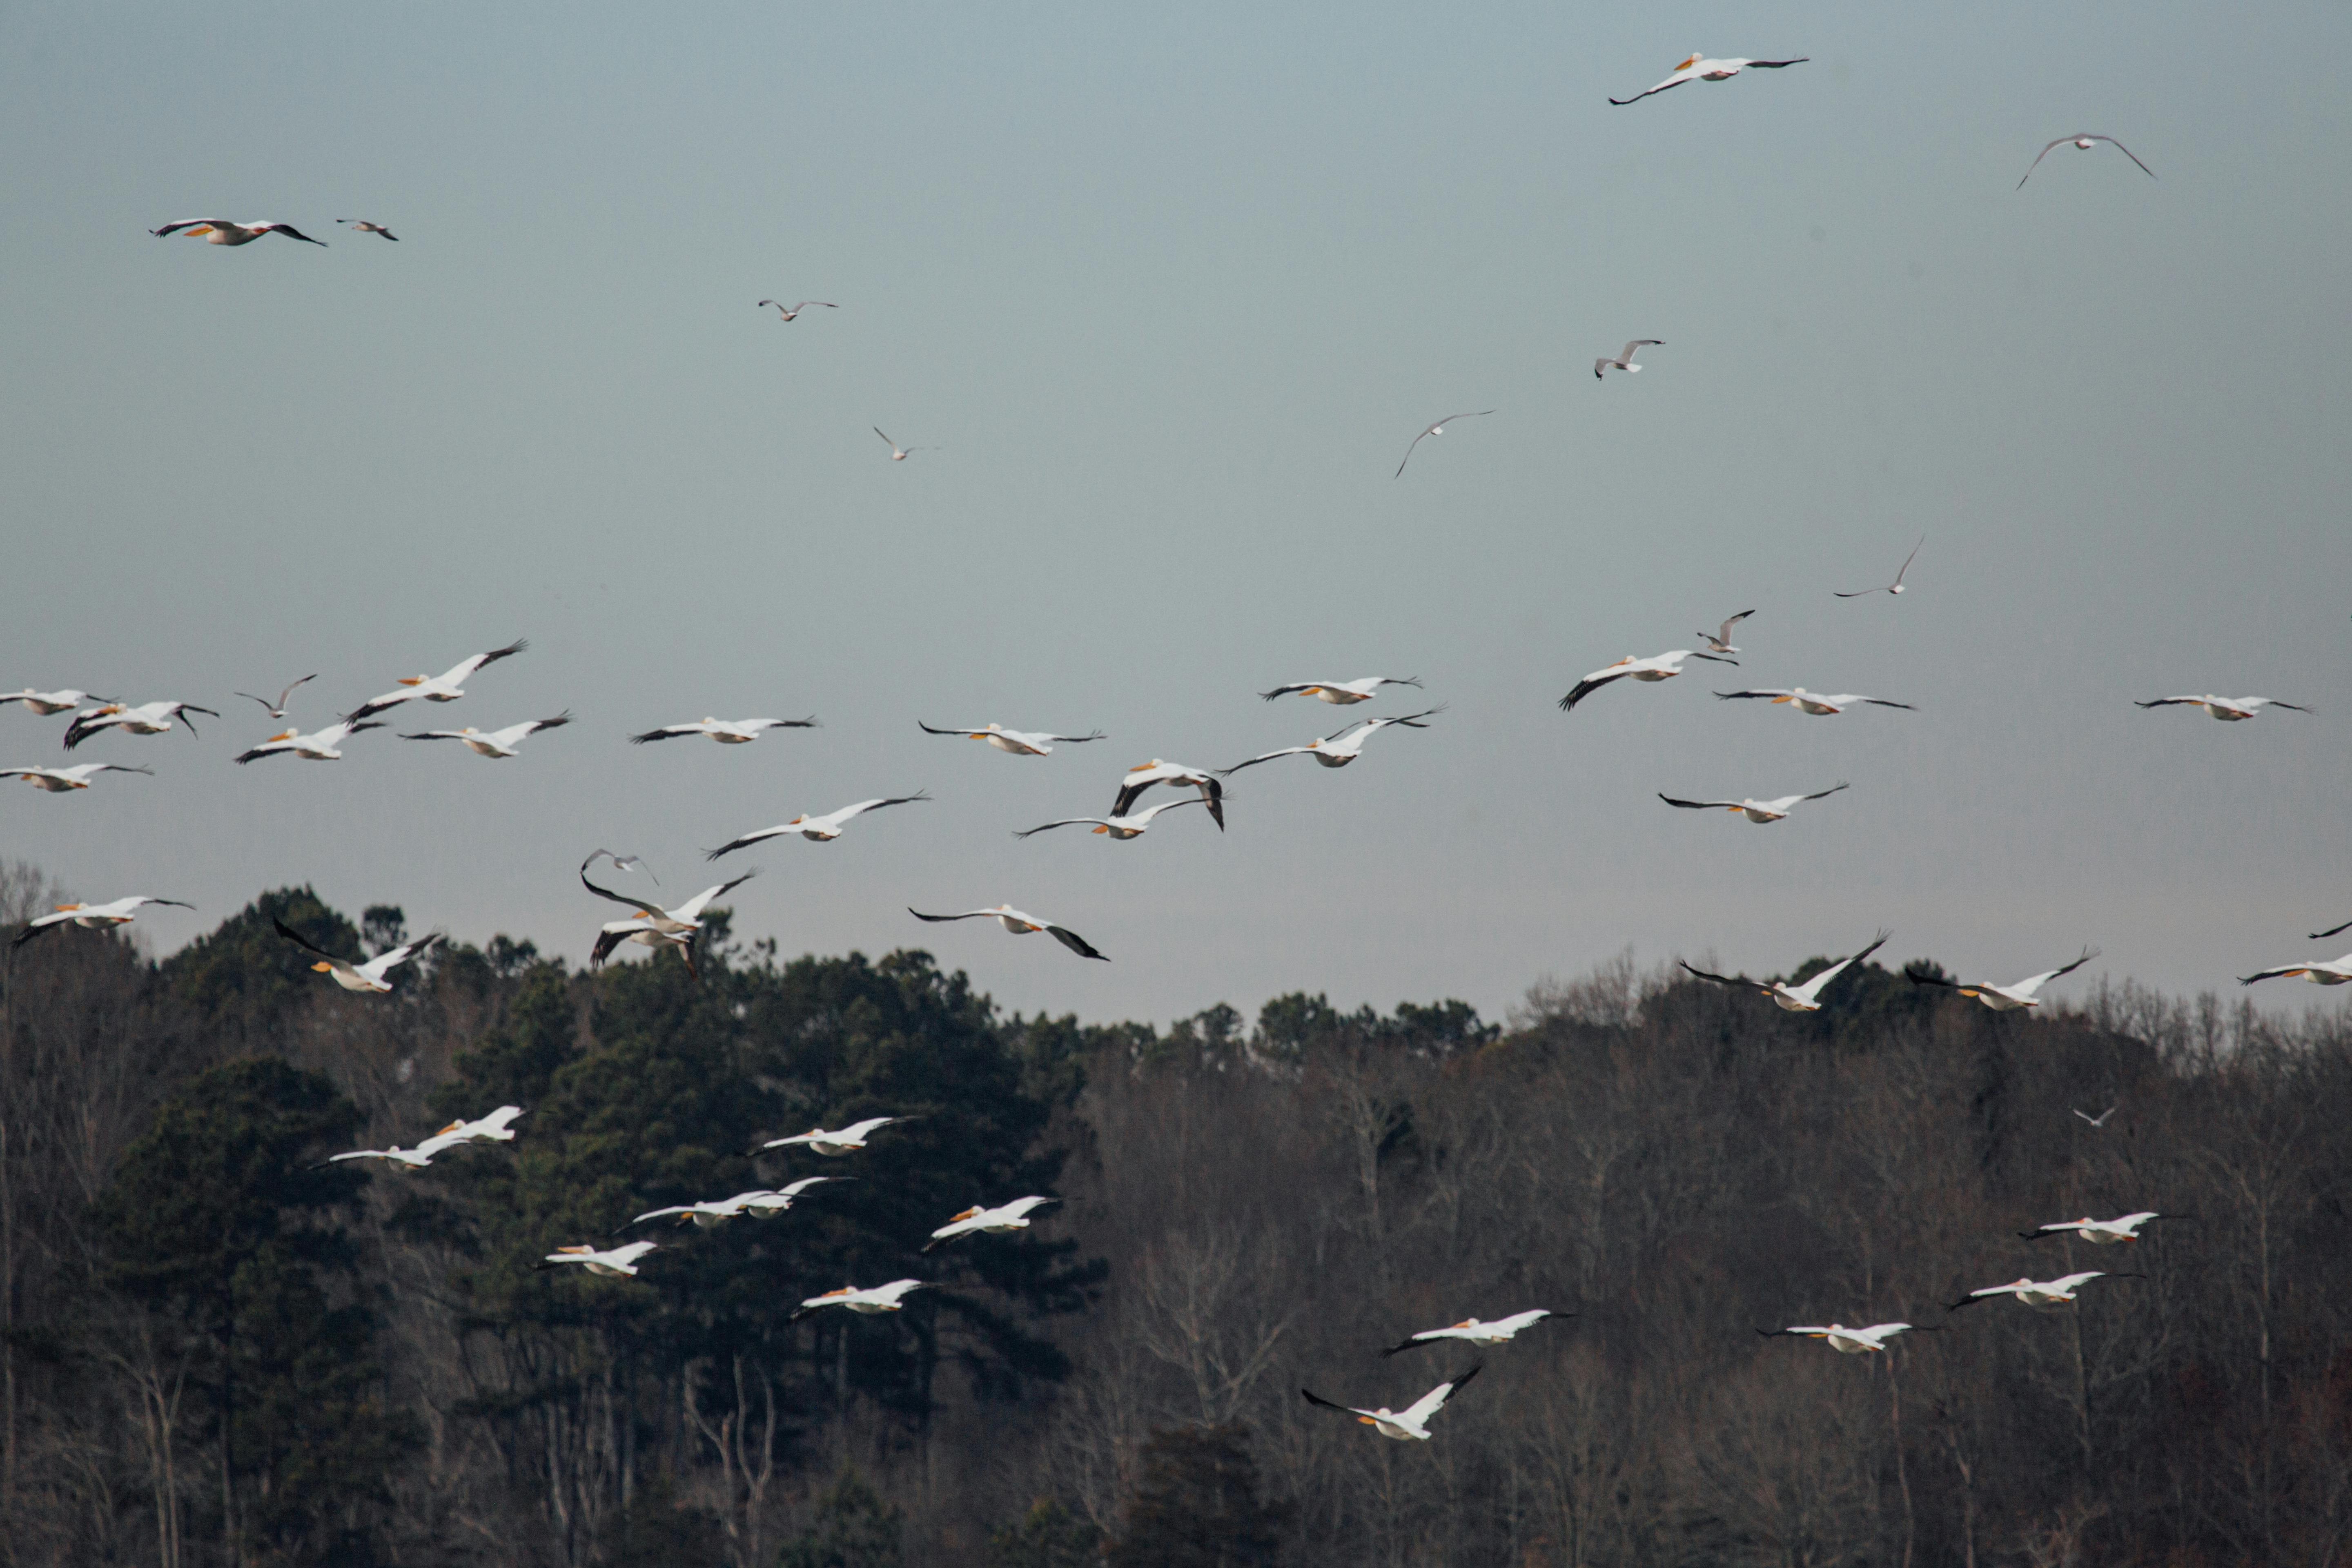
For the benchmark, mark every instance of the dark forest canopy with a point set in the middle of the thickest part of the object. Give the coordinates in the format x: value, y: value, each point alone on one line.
x: 216, y: 1353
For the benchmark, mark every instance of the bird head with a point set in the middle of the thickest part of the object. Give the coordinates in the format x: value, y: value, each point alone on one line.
x: 966, y: 1214
x: 281, y: 735
x: 1689, y: 62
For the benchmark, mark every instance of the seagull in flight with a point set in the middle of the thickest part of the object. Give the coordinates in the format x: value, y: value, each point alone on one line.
x: 494, y: 743
x: 361, y: 225
x: 726, y: 731
x: 621, y: 863
x: 221, y: 231
x: 1698, y: 67
x: 1657, y: 667
x: 1849, y: 1342
x: 2229, y: 710
x: 447, y: 687
x: 1436, y: 429
x: 1343, y: 693
x: 1815, y: 703
x: 1625, y: 360
x: 1341, y: 747
x: 318, y: 746
x: 1020, y: 742
x: 1020, y: 924
x: 1894, y: 587
x: 793, y: 313
x: 815, y: 829
x: 91, y: 916
x: 370, y: 976
x: 1804, y: 998
x: 1501, y: 1331
x: 1720, y: 641
x: 277, y: 708
x: 1756, y: 810
x: 2006, y: 998
x: 1412, y: 1422
x: 898, y: 454
x: 2082, y: 139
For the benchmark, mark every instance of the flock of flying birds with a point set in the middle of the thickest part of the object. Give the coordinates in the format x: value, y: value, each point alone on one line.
x: 677, y: 928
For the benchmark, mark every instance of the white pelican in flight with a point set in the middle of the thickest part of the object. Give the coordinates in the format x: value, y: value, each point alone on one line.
x: 1501, y: 1331
x: 2046, y: 1294
x: 793, y: 314
x: 844, y: 1141
x: 121, y: 911
x: 726, y: 731
x: 994, y: 1221
x: 702, y: 1215
x: 1894, y: 587
x: 888, y: 1297
x: 1343, y: 693
x: 277, y: 708
x: 2082, y: 139
x: 1625, y: 360
x: 653, y: 926
x: 2099, y: 1232
x: 56, y: 781
x: 621, y: 863
x: 1803, y: 701
x: 898, y: 454
x: 1436, y: 429
x: 2229, y: 710
x: 1143, y: 775
x: 1846, y: 1340
x: 370, y: 976
x: 1698, y: 67
x: 2005, y: 999
x: 1118, y: 827
x: 2101, y: 1119
x: 2334, y: 971
x: 318, y: 746
x: 1341, y: 747
x: 815, y: 829
x: 1020, y: 742
x: 48, y: 702
x: 494, y: 1127
x: 608, y: 1261
x: 1804, y: 998
x: 1756, y: 810
x: 221, y: 231
x: 147, y: 718
x: 1657, y: 667
x: 1412, y: 1421
x: 769, y: 1205
x: 493, y: 743
x: 361, y: 225
x: 1021, y: 924
x: 447, y: 687
x: 1720, y: 641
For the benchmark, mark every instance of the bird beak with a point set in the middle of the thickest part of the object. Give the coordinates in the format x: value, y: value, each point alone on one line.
x: 1102, y: 830
x: 322, y: 966
x: 1688, y: 64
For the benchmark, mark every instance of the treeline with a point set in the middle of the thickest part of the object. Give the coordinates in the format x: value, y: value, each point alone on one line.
x: 218, y: 1351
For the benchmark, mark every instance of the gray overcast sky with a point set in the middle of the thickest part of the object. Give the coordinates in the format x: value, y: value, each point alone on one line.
x: 1171, y: 290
